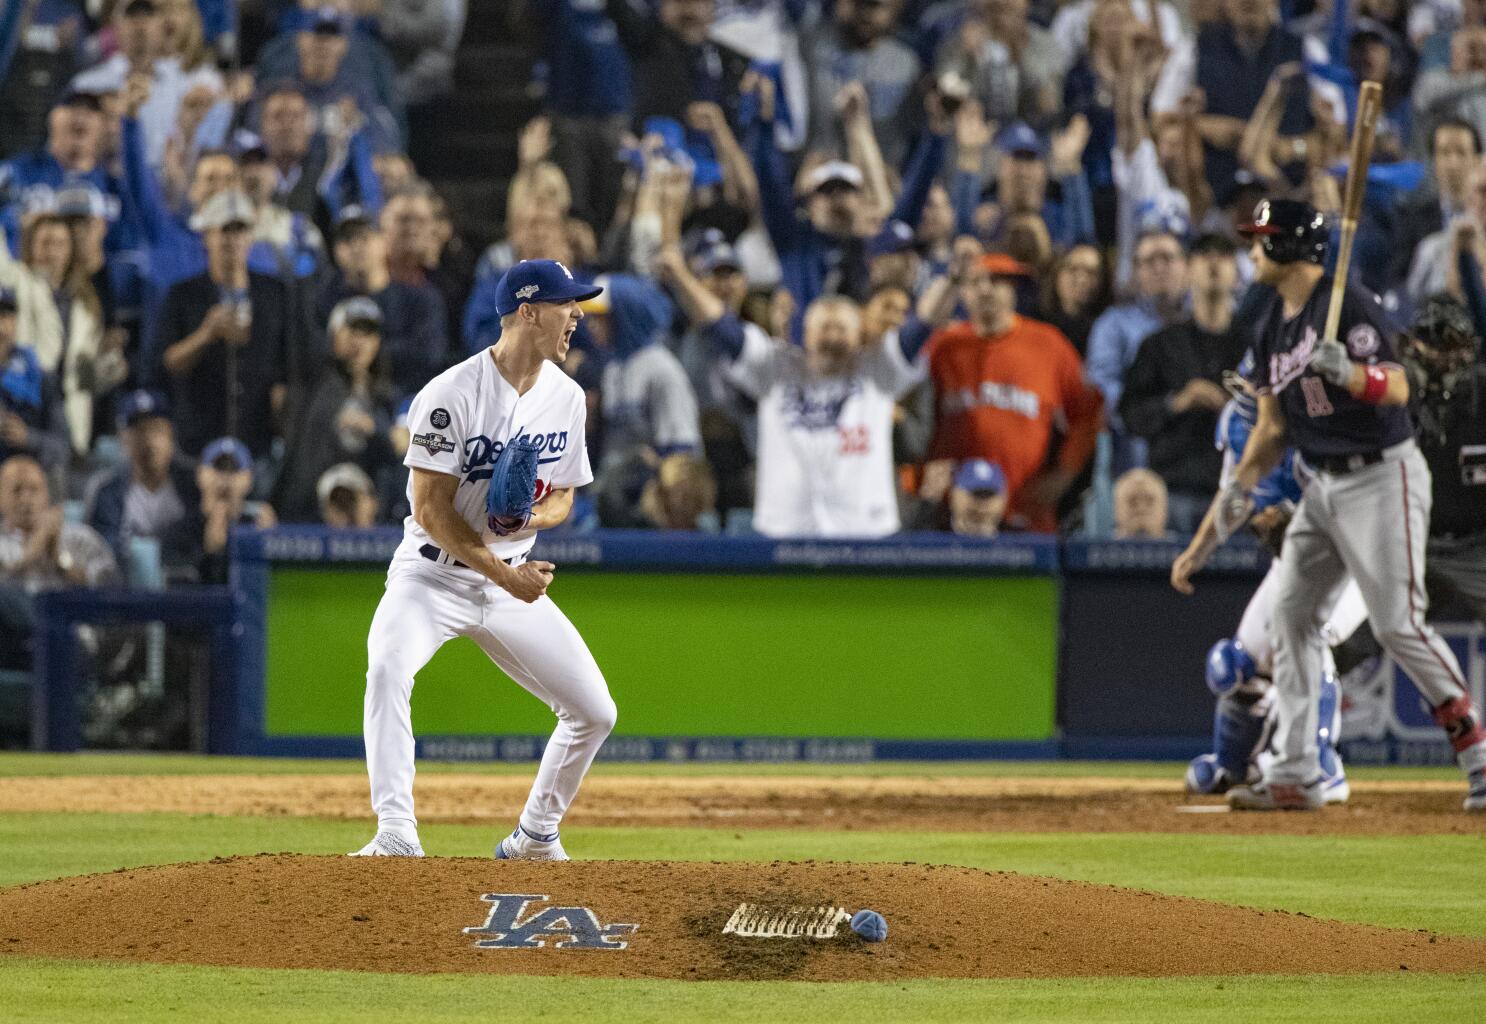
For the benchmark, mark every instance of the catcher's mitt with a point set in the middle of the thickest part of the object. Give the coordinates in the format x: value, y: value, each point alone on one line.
x: 1270, y: 524
x: 513, y: 487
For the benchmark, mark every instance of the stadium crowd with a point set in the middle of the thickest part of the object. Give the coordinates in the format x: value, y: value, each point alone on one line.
x: 869, y: 265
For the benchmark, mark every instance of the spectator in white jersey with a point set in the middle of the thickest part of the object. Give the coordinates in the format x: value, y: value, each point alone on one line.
x: 825, y: 412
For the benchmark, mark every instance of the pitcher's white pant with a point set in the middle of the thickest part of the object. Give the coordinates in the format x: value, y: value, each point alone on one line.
x: 1371, y: 524
x: 534, y: 644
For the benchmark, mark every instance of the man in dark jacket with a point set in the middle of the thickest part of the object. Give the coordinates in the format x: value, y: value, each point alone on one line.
x: 154, y: 493
x: 224, y: 338
x: 415, y: 330
x: 347, y: 415
x: 675, y: 64
x: 1173, y: 391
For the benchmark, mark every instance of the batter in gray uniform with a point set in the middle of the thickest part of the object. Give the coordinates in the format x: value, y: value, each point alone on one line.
x: 1364, y: 511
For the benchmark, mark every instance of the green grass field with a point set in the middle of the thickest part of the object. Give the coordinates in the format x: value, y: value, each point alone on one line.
x: 1427, y: 882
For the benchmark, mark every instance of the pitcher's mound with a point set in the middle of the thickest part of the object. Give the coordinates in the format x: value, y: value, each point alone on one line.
x: 394, y: 914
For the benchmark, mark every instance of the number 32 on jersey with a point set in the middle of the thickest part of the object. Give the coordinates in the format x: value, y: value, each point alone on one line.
x: 855, y: 440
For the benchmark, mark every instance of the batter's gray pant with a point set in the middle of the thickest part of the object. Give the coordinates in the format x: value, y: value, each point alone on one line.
x: 1373, y: 525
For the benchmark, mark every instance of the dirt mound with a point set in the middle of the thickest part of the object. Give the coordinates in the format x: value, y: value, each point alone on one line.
x: 392, y: 914
x: 953, y: 803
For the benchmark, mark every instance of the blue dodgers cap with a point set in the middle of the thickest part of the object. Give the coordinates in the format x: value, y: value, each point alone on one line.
x: 1020, y: 138
x: 980, y: 475
x: 710, y: 249
x: 326, y: 20
x: 896, y: 236
x: 227, y: 448
x: 82, y: 199
x: 539, y: 281
x: 140, y: 405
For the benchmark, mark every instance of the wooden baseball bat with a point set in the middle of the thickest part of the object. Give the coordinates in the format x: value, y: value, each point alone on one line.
x: 1369, y: 106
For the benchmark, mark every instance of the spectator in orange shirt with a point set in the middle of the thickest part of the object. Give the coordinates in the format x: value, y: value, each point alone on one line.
x: 1003, y: 384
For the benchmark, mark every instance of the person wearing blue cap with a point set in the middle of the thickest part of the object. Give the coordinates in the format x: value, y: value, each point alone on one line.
x: 321, y: 47
x: 154, y: 493
x: 414, y: 318
x: 462, y: 568
x: 73, y: 153
x: 648, y: 405
x: 343, y: 59
x: 224, y: 476
x: 1026, y: 167
x: 977, y: 500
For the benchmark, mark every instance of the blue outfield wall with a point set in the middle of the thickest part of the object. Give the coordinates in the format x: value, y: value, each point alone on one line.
x: 1129, y: 659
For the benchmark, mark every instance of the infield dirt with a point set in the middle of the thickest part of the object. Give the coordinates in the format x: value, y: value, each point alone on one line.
x: 405, y: 915
x: 952, y: 803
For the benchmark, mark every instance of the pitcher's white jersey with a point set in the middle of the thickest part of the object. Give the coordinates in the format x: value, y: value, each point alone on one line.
x: 825, y: 444
x: 464, y: 418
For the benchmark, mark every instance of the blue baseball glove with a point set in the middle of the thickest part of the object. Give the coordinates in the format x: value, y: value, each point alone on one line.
x: 513, y: 487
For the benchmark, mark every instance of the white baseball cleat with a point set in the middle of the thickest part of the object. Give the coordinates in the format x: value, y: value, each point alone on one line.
x: 522, y: 845
x: 1277, y: 796
x: 1475, y: 800
x: 1334, y: 785
x: 389, y: 844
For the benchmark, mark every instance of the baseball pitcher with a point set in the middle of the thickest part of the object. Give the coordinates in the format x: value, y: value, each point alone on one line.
x: 497, y: 448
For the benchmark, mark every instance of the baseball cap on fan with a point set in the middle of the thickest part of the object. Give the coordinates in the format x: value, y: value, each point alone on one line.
x: 833, y: 172
x: 358, y: 313
x: 980, y: 476
x: 539, y: 281
x: 82, y: 199
x: 142, y: 404
x: 227, y: 453
x: 224, y: 208
x: 1021, y: 139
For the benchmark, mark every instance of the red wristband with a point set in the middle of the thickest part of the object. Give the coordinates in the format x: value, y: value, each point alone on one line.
x: 1376, y: 386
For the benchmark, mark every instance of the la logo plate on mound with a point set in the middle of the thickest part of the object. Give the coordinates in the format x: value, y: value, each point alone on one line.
x: 567, y: 927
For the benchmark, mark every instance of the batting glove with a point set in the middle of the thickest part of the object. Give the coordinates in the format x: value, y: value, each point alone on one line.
x: 1332, y: 363
x: 1231, y: 509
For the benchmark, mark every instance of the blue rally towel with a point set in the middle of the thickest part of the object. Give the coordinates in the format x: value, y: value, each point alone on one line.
x: 21, y: 378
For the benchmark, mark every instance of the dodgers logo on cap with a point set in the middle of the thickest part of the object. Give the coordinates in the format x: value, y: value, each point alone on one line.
x: 539, y: 281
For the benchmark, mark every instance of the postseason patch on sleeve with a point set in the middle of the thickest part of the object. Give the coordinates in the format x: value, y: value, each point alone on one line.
x: 434, y: 443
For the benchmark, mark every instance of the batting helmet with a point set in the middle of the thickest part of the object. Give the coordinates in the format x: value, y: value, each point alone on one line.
x: 1290, y: 231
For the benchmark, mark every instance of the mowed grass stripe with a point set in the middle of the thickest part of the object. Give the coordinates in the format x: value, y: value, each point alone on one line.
x: 1429, y: 882
x: 65, y: 992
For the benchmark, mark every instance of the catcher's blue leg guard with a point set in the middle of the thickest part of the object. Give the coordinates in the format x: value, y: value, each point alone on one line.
x: 1329, y: 715
x: 1242, y: 721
